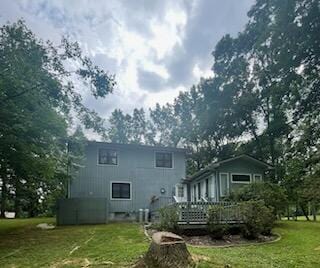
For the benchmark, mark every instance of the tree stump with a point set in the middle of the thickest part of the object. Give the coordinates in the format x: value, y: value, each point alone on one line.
x: 167, y: 250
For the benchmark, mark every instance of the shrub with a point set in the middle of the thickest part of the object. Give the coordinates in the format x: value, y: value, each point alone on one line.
x: 234, y: 229
x: 169, y: 218
x: 216, y: 229
x: 271, y: 194
x: 258, y: 218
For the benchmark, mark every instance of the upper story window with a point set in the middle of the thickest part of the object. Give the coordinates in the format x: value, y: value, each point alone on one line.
x: 108, y: 157
x: 164, y: 160
x: 241, y: 178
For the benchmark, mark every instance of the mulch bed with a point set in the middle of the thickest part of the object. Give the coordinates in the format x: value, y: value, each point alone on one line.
x: 227, y: 241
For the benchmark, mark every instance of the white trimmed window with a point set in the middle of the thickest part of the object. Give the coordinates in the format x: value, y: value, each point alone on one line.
x: 224, y: 184
x: 180, y: 191
x: 120, y: 190
x: 164, y: 159
x: 108, y: 157
x: 257, y: 177
x: 241, y: 178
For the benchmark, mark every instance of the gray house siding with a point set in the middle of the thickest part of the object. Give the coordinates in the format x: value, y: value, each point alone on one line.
x: 239, y: 166
x: 244, y: 166
x: 136, y: 165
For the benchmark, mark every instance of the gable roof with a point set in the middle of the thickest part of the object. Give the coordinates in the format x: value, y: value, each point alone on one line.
x: 208, y: 169
x: 139, y: 146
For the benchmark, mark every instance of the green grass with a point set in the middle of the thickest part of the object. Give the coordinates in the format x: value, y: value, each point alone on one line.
x: 299, y: 247
x: 302, y: 218
x: 119, y: 245
x: 101, y: 245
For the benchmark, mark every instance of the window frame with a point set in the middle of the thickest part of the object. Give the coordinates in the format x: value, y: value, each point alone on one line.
x: 181, y: 187
x: 117, y: 198
x: 110, y: 149
x: 242, y: 182
x: 254, y: 177
x: 164, y: 152
x: 228, y: 184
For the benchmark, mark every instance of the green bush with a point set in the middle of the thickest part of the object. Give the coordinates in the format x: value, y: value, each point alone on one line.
x: 169, y: 218
x: 271, y: 194
x: 258, y: 218
x: 215, y: 228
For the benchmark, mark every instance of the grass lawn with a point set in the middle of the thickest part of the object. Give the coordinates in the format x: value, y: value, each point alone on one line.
x: 118, y: 245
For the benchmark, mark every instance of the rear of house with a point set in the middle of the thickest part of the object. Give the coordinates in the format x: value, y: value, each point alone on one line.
x: 121, y: 179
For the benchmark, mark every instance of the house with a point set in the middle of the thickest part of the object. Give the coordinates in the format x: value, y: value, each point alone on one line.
x: 118, y: 180
x: 218, y: 179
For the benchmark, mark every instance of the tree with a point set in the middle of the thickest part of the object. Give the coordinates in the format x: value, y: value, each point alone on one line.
x: 38, y: 101
x: 139, y: 126
x: 165, y: 124
x: 120, y: 129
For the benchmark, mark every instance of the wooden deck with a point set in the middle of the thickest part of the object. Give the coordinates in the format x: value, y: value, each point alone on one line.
x: 195, y: 214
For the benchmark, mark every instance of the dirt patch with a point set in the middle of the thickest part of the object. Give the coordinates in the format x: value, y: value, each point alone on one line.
x: 74, y: 262
x: 80, y: 262
x: 45, y: 226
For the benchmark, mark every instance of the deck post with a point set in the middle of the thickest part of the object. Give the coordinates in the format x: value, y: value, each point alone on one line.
x: 188, y: 212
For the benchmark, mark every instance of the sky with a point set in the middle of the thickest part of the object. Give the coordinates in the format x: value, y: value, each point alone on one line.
x: 155, y: 48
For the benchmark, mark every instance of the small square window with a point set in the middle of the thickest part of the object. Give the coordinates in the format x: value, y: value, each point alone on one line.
x: 163, y: 160
x: 257, y: 177
x: 121, y: 190
x: 108, y: 157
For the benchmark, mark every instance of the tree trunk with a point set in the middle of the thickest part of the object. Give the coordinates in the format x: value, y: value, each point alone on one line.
x: 17, y: 198
x: 166, y: 250
x: 305, y: 213
x: 314, y: 211
x: 4, y: 193
x: 3, y: 199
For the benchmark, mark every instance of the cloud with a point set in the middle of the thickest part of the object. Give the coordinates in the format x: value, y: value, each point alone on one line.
x: 156, y: 48
x: 150, y: 81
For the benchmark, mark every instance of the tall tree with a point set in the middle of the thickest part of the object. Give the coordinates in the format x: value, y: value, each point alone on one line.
x: 38, y: 101
x: 120, y: 127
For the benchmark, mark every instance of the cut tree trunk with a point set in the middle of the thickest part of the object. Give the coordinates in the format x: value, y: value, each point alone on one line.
x: 167, y: 250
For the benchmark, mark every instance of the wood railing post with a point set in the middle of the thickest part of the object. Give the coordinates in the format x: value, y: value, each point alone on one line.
x: 188, y: 212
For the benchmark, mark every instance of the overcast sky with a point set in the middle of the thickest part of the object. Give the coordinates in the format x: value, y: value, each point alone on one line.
x: 155, y: 48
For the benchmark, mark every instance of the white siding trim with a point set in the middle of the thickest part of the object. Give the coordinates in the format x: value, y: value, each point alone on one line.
x: 121, y: 199
x: 242, y: 182
x: 213, y: 186
x: 228, y: 185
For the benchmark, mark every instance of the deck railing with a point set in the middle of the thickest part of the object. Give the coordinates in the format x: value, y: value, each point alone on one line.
x: 160, y: 202
x: 197, y: 212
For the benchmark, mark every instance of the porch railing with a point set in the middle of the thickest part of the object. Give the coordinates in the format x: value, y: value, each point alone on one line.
x: 160, y: 202
x: 197, y: 212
